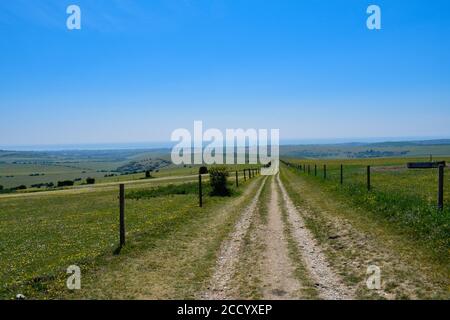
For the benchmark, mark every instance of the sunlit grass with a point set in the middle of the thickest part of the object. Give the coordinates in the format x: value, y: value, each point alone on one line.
x: 404, y: 197
x: 43, y: 235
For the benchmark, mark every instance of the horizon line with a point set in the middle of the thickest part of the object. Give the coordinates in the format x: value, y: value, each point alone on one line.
x: 155, y: 145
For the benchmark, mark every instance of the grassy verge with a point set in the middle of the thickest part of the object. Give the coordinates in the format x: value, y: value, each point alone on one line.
x: 397, y: 198
x: 362, y: 237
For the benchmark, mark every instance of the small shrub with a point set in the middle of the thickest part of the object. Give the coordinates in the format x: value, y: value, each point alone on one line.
x: 90, y: 180
x: 40, y: 185
x: 147, y: 174
x: 218, y: 181
x: 1, y: 187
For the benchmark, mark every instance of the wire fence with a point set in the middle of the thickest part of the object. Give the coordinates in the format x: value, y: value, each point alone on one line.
x: 426, y: 184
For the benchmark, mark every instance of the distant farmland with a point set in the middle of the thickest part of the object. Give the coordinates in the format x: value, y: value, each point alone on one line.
x: 29, y: 167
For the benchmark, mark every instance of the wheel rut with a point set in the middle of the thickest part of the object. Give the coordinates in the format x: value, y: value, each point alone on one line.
x: 220, y: 284
x: 278, y: 278
x: 329, y: 285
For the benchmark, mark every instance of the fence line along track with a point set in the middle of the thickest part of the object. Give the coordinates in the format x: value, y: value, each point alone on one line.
x: 306, y: 168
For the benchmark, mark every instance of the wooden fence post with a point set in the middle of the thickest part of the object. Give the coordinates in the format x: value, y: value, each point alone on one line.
x: 122, y: 214
x: 200, y: 200
x: 237, y: 180
x: 342, y: 174
x: 309, y: 169
x: 324, y: 171
x: 441, y: 188
x: 315, y: 170
x: 245, y: 178
x: 368, y: 178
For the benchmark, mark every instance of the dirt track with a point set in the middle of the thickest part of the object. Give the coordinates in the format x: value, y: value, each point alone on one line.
x: 329, y: 285
x: 296, y: 243
x: 229, y: 253
x: 279, y: 280
x: 281, y: 238
x: 277, y: 268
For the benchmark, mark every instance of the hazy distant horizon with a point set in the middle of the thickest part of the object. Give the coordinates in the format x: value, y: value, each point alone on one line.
x: 167, y: 145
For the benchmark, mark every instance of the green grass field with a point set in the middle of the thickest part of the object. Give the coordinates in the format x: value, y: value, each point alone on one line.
x: 404, y: 198
x: 44, y: 233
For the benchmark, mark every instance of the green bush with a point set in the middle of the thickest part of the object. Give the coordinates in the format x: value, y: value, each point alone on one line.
x: 65, y: 183
x: 1, y: 187
x: 90, y: 180
x: 218, y: 181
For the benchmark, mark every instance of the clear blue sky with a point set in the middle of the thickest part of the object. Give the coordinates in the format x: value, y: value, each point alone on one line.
x: 139, y: 69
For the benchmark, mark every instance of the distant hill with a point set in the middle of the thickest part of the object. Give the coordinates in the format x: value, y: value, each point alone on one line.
x: 412, y: 143
x: 133, y: 159
x: 439, y: 147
